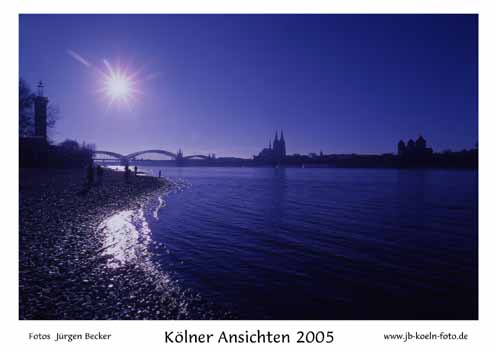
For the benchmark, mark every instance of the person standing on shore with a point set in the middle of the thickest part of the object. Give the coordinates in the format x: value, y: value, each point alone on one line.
x: 100, y: 174
x: 136, y: 170
x: 126, y: 173
x: 160, y: 173
x: 89, y: 175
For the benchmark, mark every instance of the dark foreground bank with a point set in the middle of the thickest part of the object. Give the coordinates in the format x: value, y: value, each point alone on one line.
x: 62, y: 271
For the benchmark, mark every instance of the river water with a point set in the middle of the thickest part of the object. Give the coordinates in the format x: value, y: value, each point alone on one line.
x: 264, y: 243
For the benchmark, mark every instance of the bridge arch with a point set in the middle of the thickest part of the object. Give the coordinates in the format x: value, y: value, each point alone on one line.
x: 111, y: 154
x: 156, y: 151
x: 196, y: 156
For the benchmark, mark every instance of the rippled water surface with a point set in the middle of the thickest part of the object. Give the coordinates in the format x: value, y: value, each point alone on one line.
x: 268, y: 243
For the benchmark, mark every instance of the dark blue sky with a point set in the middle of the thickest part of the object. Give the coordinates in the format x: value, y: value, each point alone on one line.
x: 224, y: 83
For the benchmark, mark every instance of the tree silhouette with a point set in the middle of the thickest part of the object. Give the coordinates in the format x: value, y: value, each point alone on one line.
x: 26, y: 112
x: 69, y: 145
x: 25, y: 109
x: 53, y: 114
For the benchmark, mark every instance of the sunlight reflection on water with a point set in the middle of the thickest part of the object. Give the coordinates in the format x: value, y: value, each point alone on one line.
x: 126, y: 237
x: 160, y: 205
x: 127, y: 242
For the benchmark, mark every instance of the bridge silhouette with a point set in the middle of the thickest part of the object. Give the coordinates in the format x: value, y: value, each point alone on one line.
x: 125, y: 158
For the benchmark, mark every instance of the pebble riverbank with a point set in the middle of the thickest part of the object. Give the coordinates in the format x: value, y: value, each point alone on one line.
x: 62, y: 271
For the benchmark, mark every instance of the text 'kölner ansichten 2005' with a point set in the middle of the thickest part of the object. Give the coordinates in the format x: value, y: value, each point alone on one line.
x: 251, y: 337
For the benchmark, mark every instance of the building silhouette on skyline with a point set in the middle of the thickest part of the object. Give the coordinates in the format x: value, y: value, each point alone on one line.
x: 33, y: 146
x: 413, y: 149
x: 275, y: 152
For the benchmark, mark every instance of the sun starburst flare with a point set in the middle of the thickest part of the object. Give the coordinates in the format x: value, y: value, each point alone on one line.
x: 118, y: 85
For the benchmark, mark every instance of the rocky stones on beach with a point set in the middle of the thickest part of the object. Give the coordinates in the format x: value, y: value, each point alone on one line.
x: 62, y: 275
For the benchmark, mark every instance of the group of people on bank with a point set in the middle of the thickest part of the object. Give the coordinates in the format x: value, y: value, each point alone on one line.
x: 99, y: 171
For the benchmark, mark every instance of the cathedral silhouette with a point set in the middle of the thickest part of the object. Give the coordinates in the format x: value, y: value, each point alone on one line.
x: 413, y: 149
x: 275, y: 152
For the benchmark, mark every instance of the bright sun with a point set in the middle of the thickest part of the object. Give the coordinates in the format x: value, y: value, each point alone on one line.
x: 118, y: 85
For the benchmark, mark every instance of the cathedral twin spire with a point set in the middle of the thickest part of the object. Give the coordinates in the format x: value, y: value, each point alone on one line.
x: 276, y: 151
x: 279, y: 146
